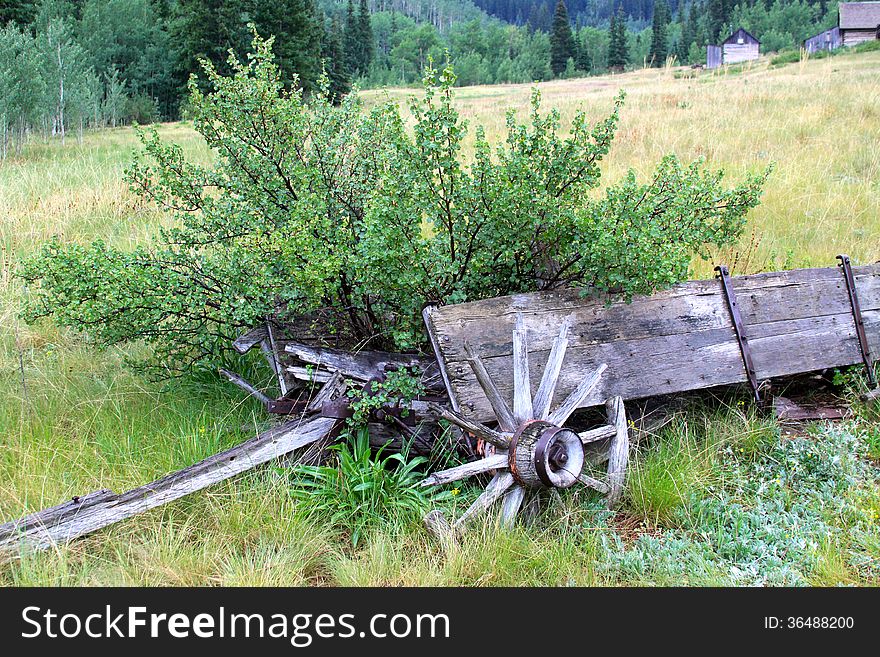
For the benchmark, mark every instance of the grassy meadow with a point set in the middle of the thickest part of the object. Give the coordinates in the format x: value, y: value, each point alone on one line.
x: 718, y: 496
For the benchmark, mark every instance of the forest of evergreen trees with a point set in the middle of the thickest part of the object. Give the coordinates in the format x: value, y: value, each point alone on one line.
x: 70, y: 64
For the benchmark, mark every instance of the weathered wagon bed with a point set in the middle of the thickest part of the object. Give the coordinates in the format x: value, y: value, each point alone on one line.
x: 695, y: 335
x: 676, y: 340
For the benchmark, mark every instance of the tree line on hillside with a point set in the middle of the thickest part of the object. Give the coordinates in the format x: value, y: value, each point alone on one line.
x: 70, y: 64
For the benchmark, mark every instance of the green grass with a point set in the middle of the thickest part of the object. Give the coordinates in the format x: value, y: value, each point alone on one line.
x: 703, y: 506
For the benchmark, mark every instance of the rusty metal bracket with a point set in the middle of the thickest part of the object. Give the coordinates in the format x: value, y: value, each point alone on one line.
x: 739, y: 329
x: 846, y: 266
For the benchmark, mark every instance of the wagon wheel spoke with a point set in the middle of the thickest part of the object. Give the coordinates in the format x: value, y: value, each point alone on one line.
x: 496, y: 488
x: 534, y: 449
x: 595, y: 484
x: 466, y: 470
x: 522, y: 392
x: 511, y: 504
x: 618, y: 452
x: 576, y: 398
x: 502, y: 411
x: 476, y: 428
x: 547, y: 387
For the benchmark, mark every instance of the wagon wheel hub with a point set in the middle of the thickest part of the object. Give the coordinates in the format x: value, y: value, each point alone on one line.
x: 543, y: 455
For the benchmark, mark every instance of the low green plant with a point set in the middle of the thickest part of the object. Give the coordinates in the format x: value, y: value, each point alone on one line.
x: 361, y: 490
x: 398, y: 389
x: 666, y: 474
x: 802, y: 511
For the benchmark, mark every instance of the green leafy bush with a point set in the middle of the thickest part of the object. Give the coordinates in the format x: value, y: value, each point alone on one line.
x: 362, y: 490
x: 342, y: 216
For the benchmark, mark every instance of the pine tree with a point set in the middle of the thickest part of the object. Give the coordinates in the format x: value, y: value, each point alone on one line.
x: 21, y: 12
x: 333, y: 56
x: 715, y: 18
x: 618, y: 51
x: 562, y: 46
x: 351, y: 40
x: 686, y: 31
x: 659, y: 46
x: 366, y: 42
x: 298, y: 33
x: 207, y: 29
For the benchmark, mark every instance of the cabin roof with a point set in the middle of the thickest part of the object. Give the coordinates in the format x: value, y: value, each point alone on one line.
x: 859, y: 15
x: 732, y: 38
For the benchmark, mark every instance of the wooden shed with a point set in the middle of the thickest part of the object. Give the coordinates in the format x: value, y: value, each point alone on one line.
x: 740, y: 47
x: 858, y: 22
x: 713, y: 56
x: 827, y: 40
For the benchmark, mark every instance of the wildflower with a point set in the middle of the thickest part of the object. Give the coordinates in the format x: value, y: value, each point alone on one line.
x: 456, y: 491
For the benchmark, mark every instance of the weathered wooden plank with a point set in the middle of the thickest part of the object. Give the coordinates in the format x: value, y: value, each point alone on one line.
x: 251, y: 339
x: 618, y: 451
x: 679, y: 339
x: 43, y: 530
x: 55, y: 514
x: 366, y: 365
x: 466, y: 470
x: 684, y: 308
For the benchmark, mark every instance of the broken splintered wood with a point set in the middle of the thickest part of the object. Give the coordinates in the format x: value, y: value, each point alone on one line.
x: 367, y: 365
x: 71, y: 520
x: 247, y: 387
x: 481, y: 431
x: 310, y: 374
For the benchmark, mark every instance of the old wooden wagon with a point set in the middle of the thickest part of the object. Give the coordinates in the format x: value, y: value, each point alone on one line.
x: 513, y: 373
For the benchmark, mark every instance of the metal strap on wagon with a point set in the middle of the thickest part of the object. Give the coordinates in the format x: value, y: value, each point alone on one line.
x: 846, y: 267
x: 739, y: 329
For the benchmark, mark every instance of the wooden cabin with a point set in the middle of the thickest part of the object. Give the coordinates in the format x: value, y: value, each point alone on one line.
x: 827, y: 40
x: 858, y: 22
x: 739, y: 47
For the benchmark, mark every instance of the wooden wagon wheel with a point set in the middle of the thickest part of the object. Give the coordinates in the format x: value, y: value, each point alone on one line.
x: 531, y: 449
